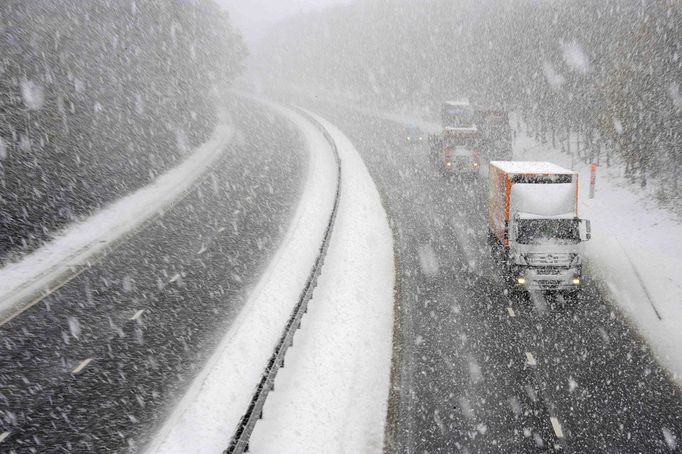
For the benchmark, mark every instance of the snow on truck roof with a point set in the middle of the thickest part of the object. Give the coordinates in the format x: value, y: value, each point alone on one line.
x: 461, y: 129
x: 457, y: 103
x: 531, y: 167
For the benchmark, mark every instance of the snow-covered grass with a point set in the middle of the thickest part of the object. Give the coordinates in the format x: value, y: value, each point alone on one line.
x: 332, y: 395
x: 207, y: 415
x: 79, y: 243
x: 636, y: 251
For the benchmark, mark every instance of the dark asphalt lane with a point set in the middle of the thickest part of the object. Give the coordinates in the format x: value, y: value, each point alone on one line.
x: 189, y: 271
x: 467, y: 382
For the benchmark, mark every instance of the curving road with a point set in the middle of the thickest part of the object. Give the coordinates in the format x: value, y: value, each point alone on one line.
x: 95, y: 366
x: 480, y: 371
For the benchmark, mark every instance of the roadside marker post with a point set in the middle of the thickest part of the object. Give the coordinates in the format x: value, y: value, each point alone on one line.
x: 593, y: 178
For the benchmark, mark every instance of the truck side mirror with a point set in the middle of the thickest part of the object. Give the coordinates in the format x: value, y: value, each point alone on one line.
x: 585, y: 230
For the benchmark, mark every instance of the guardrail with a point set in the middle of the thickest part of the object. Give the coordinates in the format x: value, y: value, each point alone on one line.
x: 240, y: 439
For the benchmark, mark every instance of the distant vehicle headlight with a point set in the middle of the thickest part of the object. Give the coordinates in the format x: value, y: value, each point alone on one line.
x: 576, y: 281
x: 521, y: 280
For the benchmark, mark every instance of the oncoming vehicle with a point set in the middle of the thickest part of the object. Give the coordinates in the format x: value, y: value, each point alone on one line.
x: 533, y: 216
x: 460, y: 154
x: 414, y: 135
x: 496, y: 134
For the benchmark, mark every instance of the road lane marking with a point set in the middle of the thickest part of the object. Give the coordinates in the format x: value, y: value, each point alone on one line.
x: 511, y: 312
x: 556, y: 425
x: 46, y: 293
x: 137, y: 314
x: 174, y: 278
x: 81, y: 366
x: 4, y: 435
x: 530, y: 359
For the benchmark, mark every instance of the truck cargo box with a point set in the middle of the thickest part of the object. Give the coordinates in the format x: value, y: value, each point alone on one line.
x: 539, y: 188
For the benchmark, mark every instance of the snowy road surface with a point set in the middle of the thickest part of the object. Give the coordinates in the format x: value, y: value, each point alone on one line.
x: 23, y: 282
x: 485, y: 373
x: 95, y: 365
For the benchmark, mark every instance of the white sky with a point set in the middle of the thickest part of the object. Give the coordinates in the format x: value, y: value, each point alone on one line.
x: 253, y: 17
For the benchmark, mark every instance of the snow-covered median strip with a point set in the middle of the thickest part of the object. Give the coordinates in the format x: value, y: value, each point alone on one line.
x: 206, y: 417
x: 80, y: 242
x: 332, y: 394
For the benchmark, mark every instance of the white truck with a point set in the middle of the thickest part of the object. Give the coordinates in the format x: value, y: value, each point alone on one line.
x: 533, y: 217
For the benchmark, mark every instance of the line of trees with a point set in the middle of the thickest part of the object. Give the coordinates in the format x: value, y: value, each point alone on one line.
x: 608, y: 71
x: 97, y: 98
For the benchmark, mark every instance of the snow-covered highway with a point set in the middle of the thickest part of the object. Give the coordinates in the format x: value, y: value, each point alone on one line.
x: 479, y: 371
x: 123, y: 338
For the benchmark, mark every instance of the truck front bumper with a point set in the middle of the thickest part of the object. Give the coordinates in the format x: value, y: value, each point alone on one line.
x: 548, y: 279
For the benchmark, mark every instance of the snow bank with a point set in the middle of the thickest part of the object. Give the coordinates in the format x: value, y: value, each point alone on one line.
x: 636, y: 251
x: 81, y: 242
x: 207, y: 415
x: 332, y: 395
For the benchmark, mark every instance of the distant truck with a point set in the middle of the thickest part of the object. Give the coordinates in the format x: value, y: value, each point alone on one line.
x: 457, y: 114
x: 414, y: 135
x: 496, y: 134
x: 533, y: 217
x: 457, y: 148
x: 459, y: 152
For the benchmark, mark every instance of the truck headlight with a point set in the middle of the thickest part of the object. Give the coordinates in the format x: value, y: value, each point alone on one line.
x: 576, y: 281
x: 521, y: 280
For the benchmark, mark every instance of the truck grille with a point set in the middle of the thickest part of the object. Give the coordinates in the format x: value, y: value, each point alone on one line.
x: 549, y: 284
x: 548, y: 271
x: 553, y: 259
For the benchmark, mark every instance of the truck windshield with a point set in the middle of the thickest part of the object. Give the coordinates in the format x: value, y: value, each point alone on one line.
x: 458, y: 151
x: 537, y: 231
x: 457, y: 116
x: 460, y: 141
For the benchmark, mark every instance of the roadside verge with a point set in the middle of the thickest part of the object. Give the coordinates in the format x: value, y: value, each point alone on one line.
x: 635, y: 252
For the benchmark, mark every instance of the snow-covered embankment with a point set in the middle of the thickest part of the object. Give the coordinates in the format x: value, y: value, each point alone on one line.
x: 332, y: 395
x: 635, y: 251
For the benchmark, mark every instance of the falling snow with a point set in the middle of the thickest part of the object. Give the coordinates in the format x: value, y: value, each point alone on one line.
x: 163, y: 201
